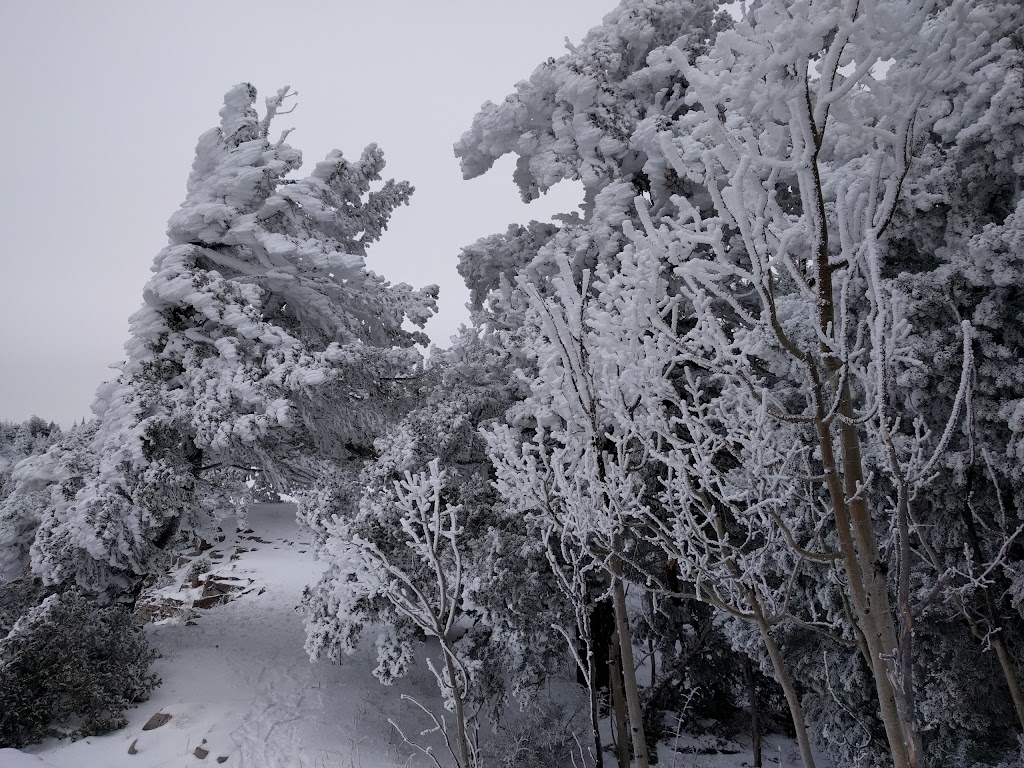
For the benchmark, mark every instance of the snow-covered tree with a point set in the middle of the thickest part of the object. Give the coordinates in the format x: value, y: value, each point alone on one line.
x: 423, y: 580
x: 19, y: 441
x: 799, y: 349
x: 954, y: 256
x: 576, y: 118
x: 804, y: 150
x: 67, y: 666
x: 19, y: 517
x: 561, y: 466
x: 504, y: 646
x: 264, y: 341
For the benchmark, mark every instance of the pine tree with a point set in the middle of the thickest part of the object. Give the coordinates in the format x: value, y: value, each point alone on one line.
x: 264, y: 341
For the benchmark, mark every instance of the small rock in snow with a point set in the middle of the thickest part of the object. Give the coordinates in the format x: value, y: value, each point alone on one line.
x: 160, y: 718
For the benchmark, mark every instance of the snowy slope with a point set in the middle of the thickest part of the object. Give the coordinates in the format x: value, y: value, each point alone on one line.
x: 12, y: 758
x: 239, y: 686
x: 241, y: 692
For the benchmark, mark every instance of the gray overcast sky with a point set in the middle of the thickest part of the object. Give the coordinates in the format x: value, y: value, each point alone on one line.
x: 104, y: 102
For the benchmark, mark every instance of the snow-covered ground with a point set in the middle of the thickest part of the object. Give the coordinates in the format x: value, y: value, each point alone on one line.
x: 238, y: 684
x: 241, y: 692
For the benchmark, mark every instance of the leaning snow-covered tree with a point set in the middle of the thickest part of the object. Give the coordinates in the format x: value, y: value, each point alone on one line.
x: 264, y: 340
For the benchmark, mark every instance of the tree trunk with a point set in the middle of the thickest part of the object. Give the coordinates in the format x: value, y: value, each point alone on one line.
x: 602, y: 627
x: 866, y: 573
x: 755, y: 712
x: 870, y: 592
x: 1010, y: 673
x: 651, y: 649
x: 460, y: 714
x: 595, y: 716
x: 618, y: 702
x: 595, y: 723
x: 994, y: 617
x: 905, y: 649
x: 796, y: 710
x: 636, y: 717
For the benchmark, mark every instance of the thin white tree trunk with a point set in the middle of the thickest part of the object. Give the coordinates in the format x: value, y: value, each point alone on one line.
x: 866, y: 573
x: 460, y: 714
x: 618, y: 702
x: 796, y: 711
x: 636, y: 721
x: 755, y: 712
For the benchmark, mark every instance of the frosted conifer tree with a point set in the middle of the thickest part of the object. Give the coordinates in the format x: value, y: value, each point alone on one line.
x: 264, y: 340
x: 19, y: 517
x: 956, y: 255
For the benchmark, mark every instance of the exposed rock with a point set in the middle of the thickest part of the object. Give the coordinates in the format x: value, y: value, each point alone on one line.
x: 205, y: 603
x: 160, y: 718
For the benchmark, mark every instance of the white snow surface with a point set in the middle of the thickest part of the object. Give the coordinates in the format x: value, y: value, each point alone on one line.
x: 12, y: 758
x: 239, y: 685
